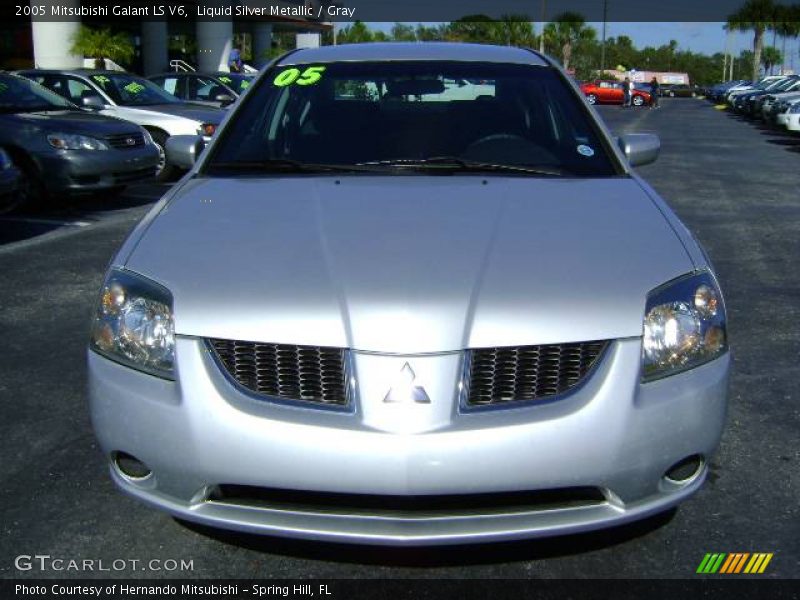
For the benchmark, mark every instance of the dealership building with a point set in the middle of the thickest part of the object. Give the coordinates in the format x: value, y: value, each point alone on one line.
x: 202, y: 41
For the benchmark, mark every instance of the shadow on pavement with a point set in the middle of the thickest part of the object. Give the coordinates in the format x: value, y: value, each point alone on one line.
x: 71, y: 213
x: 439, y: 556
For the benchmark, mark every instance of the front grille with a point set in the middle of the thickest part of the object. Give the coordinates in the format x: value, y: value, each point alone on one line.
x: 501, y: 375
x: 133, y: 176
x: 125, y: 140
x: 411, y: 506
x: 285, y: 371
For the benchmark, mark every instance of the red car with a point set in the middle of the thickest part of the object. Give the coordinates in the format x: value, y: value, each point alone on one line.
x: 610, y: 92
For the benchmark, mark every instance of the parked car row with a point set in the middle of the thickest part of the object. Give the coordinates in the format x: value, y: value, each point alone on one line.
x: 774, y: 99
x: 84, y: 131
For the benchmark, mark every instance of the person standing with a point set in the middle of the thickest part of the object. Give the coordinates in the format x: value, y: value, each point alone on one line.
x: 626, y: 92
x: 654, y: 92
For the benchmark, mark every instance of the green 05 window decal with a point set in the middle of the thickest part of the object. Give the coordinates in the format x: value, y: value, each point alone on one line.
x: 293, y: 75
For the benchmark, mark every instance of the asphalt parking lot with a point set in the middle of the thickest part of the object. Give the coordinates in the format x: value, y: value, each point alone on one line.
x: 734, y: 184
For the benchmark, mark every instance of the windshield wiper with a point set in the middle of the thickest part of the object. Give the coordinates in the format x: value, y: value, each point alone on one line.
x: 454, y: 163
x: 285, y: 165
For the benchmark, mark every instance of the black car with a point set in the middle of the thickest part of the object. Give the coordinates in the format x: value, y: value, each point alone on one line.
x: 61, y: 149
x: 679, y: 90
x: 9, y: 183
x: 215, y: 89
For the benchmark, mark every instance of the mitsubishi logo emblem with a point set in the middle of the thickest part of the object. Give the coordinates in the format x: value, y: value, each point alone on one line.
x: 404, y: 389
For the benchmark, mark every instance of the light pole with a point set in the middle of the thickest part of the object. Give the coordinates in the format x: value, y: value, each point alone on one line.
x: 603, y: 44
x: 541, y: 37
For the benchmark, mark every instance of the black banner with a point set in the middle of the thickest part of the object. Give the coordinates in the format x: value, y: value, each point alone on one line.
x: 370, y: 10
x: 351, y: 589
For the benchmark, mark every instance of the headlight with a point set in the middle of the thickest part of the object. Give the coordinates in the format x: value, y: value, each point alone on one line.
x: 71, y: 141
x: 684, y: 326
x: 133, y: 324
x: 207, y: 129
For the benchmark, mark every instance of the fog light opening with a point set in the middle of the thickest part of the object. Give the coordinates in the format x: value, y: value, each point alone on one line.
x: 130, y: 466
x: 685, y: 470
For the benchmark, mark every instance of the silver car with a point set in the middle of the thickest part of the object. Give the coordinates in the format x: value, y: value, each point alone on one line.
x: 377, y: 311
x: 126, y: 96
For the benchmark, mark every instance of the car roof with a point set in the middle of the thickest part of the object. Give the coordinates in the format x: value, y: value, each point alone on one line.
x: 391, y: 51
x: 80, y: 72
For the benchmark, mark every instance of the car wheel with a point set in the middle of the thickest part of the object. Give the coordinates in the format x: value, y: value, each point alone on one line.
x: 591, y: 98
x: 164, y: 172
x: 638, y: 100
x: 31, y: 192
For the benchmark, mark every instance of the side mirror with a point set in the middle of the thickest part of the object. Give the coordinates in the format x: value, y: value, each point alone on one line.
x: 640, y: 148
x: 224, y: 99
x: 182, y: 150
x: 93, y: 102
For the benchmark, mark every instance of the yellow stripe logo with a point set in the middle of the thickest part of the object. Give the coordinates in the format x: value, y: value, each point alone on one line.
x: 735, y: 562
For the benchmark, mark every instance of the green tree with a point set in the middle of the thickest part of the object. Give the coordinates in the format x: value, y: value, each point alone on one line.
x: 403, y: 33
x: 515, y: 30
x: 786, y: 25
x: 756, y: 16
x: 565, y: 32
x: 430, y: 33
x: 356, y: 33
x: 770, y: 56
x: 100, y: 44
x: 475, y: 29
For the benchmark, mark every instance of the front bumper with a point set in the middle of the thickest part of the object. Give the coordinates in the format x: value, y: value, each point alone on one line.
x: 612, y: 434
x: 82, y: 171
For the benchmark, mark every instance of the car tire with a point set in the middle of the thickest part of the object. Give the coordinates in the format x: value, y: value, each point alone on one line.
x: 591, y: 99
x: 32, y: 193
x: 638, y: 101
x: 164, y: 172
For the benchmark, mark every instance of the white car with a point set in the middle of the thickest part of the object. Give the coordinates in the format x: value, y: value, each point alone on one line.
x: 135, y: 99
x: 792, y: 116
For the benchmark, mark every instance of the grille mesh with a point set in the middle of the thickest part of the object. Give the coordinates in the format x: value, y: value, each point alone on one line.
x: 123, y: 140
x: 308, y: 373
x: 500, y: 375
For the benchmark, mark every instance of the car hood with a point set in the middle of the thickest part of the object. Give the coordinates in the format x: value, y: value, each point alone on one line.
x: 69, y: 121
x: 196, y: 112
x: 410, y: 264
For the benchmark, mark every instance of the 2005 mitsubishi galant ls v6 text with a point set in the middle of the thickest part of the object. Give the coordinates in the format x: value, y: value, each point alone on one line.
x: 410, y: 294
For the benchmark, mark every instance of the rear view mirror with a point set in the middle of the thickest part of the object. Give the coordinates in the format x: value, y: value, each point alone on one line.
x: 414, y: 87
x: 224, y: 99
x: 93, y: 102
x: 182, y: 150
x: 640, y: 148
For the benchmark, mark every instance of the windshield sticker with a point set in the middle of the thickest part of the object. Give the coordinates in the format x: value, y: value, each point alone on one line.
x: 310, y: 76
x: 244, y: 84
x: 224, y: 79
x: 585, y: 150
x: 134, y: 87
x: 3, y: 88
x: 101, y: 79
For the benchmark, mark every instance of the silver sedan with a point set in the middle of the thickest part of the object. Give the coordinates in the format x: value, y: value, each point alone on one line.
x: 410, y: 294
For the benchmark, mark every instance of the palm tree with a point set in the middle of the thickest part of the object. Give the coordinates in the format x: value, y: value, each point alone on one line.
x: 786, y: 25
x: 101, y: 44
x: 770, y: 56
x: 566, y: 31
x: 756, y: 16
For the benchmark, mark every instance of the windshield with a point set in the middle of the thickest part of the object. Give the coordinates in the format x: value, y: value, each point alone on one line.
x: 236, y: 81
x: 129, y: 90
x: 427, y: 115
x: 22, y: 95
